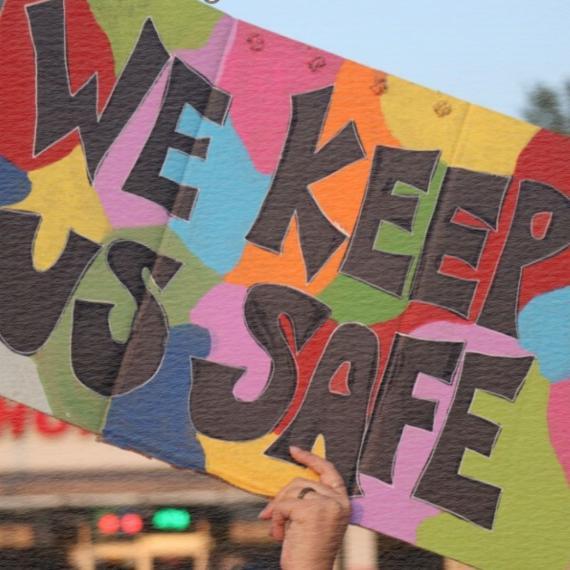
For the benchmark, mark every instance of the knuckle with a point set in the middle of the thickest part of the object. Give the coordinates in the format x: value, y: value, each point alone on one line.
x: 335, y: 507
x: 327, y: 464
x: 328, y: 505
x: 319, y: 502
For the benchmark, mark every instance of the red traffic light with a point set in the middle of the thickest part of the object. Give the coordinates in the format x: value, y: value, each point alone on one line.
x: 109, y: 524
x: 112, y: 523
x: 131, y: 523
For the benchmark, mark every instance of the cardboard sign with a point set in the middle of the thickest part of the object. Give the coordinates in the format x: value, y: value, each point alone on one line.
x: 216, y: 242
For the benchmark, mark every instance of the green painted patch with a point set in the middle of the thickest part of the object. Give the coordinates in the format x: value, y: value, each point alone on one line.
x: 532, y: 525
x: 187, y: 24
x: 68, y: 398
x: 352, y: 300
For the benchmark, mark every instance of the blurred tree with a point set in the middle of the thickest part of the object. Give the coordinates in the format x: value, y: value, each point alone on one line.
x: 549, y: 107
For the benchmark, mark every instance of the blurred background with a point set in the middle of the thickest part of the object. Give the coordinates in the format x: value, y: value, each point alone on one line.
x: 508, y: 55
x: 70, y: 502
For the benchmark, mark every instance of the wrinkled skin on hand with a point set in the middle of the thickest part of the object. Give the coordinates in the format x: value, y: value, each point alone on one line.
x: 311, y: 527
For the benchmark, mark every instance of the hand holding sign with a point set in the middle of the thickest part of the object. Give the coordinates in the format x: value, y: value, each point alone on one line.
x: 216, y: 243
x: 310, y: 517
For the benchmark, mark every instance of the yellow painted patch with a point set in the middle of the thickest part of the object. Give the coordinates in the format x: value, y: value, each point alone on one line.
x: 422, y: 119
x: 491, y: 142
x: 62, y: 195
x: 246, y: 466
x: 469, y: 136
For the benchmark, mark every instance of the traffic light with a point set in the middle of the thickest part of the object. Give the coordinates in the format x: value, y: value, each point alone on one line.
x: 125, y: 523
x: 132, y: 523
x: 171, y: 519
x: 109, y: 524
x: 128, y: 524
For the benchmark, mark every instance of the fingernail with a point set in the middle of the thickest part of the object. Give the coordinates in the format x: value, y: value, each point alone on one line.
x: 294, y: 448
x: 260, y: 515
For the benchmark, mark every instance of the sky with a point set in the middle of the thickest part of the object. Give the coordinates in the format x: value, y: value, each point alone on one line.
x: 489, y: 52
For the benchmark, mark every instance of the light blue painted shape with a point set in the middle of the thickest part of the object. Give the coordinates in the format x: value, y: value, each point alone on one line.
x: 230, y: 192
x: 544, y: 330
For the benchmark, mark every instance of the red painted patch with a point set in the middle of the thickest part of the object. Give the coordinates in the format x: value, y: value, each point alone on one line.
x: 545, y: 159
x: 339, y: 381
x: 416, y: 314
x: 89, y: 51
x: 539, y: 224
x: 306, y: 361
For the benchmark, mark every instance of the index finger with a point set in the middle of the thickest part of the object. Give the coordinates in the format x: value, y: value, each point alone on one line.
x: 325, y: 469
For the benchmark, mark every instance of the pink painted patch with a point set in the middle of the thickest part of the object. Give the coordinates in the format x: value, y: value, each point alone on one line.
x: 128, y: 210
x: 559, y: 423
x: 477, y: 338
x: 391, y: 509
x: 276, y: 68
x: 221, y: 311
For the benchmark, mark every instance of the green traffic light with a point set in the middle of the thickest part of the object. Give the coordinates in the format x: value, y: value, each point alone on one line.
x: 171, y: 519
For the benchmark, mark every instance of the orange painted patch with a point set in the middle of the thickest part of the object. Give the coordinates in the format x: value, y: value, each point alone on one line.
x: 356, y: 98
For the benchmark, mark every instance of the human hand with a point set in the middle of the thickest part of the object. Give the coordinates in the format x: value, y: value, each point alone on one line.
x: 311, y: 524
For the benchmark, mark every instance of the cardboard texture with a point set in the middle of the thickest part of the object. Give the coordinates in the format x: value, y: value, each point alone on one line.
x: 216, y: 242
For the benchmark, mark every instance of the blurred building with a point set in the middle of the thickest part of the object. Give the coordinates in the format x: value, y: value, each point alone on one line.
x: 68, y: 501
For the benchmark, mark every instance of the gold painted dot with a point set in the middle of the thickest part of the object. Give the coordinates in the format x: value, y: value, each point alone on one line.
x: 442, y: 108
x: 256, y: 42
x: 380, y: 85
x: 317, y: 63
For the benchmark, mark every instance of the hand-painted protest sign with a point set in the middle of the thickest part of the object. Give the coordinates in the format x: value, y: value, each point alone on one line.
x: 216, y: 242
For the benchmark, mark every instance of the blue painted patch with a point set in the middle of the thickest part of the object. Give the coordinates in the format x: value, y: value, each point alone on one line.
x: 230, y: 192
x: 155, y: 418
x: 544, y: 330
x: 14, y: 183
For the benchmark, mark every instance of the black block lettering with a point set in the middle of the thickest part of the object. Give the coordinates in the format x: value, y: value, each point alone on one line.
x: 340, y: 418
x: 185, y: 86
x: 104, y: 365
x: 387, y: 271
x: 522, y: 249
x: 478, y: 194
x: 214, y: 409
x: 60, y: 112
x: 31, y: 302
x: 441, y: 483
x: 396, y: 407
x: 301, y: 165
